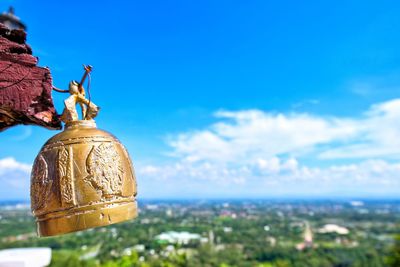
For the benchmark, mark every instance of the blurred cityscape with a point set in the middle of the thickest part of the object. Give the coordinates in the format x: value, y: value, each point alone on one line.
x: 222, y: 233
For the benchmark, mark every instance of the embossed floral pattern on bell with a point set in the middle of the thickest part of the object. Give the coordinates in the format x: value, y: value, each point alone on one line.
x: 82, y: 177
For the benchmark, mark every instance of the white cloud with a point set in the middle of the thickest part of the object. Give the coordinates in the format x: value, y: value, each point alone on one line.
x: 261, y: 153
x: 14, y: 179
x: 9, y: 164
x: 245, y: 135
x: 249, y: 134
x: 274, y: 177
x: 377, y: 134
x: 371, y: 171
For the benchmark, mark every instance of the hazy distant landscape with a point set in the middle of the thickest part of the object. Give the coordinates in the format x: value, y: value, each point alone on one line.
x: 262, y: 233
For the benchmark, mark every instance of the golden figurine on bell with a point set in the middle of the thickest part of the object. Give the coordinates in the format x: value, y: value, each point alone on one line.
x: 82, y: 177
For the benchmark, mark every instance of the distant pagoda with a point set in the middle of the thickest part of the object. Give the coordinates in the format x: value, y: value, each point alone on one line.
x: 11, y: 21
x: 308, y: 238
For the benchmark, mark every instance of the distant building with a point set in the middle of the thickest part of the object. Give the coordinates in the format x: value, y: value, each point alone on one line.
x: 308, y: 238
x: 11, y: 21
x: 272, y: 241
x: 227, y: 229
x: 25, y: 257
x: 308, y: 235
x: 177, y: 237
x: 356, y: 203
x: 168, y: 212
x: 333, y: 228
x: 211, y: 237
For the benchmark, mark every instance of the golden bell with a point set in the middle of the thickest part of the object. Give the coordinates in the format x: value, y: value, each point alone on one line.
x: 82, y: 177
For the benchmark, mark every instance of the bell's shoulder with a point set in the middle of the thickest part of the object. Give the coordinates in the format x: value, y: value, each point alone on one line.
x: 80, y: 134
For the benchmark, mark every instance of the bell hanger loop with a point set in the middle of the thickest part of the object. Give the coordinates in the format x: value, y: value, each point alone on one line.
x: 78, y: 96
x: 88, y: 69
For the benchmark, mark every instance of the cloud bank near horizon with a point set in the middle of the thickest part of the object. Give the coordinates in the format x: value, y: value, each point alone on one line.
x: 264, y: 154
x: 258, y: 153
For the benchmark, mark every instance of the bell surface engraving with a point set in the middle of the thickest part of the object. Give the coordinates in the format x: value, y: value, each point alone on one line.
x: 85, y: 180
x: 105, y: 172
x: 40, y: 183
x: 64, y: 167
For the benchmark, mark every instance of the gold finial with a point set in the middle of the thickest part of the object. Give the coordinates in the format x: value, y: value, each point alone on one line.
x: 78, y: 96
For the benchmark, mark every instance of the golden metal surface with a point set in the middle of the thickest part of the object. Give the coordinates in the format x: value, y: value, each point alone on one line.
x: 82, y: 177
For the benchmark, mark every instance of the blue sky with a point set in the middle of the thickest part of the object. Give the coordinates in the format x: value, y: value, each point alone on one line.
x: 228, y: 98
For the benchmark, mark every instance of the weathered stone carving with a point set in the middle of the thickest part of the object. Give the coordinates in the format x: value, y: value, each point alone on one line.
x: 25, y: 89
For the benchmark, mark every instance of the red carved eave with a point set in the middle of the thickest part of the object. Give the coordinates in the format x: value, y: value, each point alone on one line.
x: 25, y: 89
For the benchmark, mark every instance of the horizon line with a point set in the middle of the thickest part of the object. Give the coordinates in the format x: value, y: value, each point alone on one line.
x: 283, y: 198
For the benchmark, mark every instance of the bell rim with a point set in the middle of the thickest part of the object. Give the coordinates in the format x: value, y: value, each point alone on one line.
x: 100, y: 217
x: 67, y: 211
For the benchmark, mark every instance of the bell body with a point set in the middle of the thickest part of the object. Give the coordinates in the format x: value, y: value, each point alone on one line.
x: 82, y: 178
